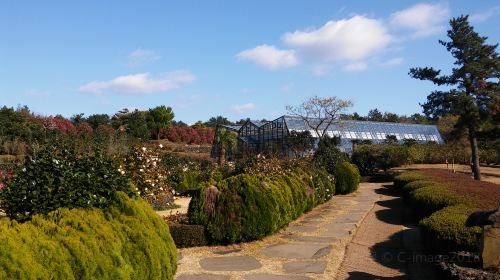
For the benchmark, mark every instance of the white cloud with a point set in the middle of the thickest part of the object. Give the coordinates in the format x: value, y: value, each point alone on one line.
x: 141, y: 56
x: 243, y: 108
x: 320, y: 70
x: 484, y: 16
x: 140, y: 83
x: 423, y: 19
x: 348, y: 39
x: 355, y: 66
x: 269, y: 57
x: 392, y: 61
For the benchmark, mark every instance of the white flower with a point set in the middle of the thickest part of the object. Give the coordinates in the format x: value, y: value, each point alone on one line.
x: 145, y: 189
x: 141, y: 170
x: 122, y: 172
x: 24, y: 169
x: 161, y: 146
x: 161, y: 189
x: 143, y: 149
x: 184, y: 169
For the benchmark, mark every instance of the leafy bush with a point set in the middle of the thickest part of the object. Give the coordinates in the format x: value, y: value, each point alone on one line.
x: 143, y: 165
x: 430, y: 199
x: 186, y: 175
x: 328, y: 155
x: 251, y: 206
x: 59, y: 178
x: 185, y: 235
x: 445, y: 230
x: 346, y: 178
x: 407, y: 177
x: 125, y: 240
x: 411, y: 186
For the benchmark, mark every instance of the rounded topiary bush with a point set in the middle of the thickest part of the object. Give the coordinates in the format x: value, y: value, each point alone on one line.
x: 58, y: 177
x: 430, y: 199
x: 445, y: 230
x: 346, y: 178
x: 125, y: 240
x: 407, y: 177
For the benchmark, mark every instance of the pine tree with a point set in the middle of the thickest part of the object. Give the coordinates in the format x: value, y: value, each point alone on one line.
x: 474, y: 95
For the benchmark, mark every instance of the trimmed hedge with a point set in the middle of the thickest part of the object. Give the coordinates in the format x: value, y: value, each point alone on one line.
x: 445, y: 230
x: 248, y: 207
x: 407, y: 177
x: 428, y: 200
x: 411, y: 186
x: 185, y: 235
x: 126, y: 240
x: 346, y: 178
x: 444, y: 213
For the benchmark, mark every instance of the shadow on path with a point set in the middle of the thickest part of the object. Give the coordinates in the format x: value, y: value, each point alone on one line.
x: 356, y: 275
x: 396, y: 241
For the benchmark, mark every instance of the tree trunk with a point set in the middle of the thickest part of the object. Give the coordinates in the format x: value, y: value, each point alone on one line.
x: 475, y: 152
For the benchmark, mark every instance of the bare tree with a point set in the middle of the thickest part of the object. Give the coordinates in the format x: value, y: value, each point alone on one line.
x: 320, y: 113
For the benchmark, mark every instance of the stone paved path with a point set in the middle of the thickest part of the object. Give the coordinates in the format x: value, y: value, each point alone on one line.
x: 312, y: 247
x: 386, y: 244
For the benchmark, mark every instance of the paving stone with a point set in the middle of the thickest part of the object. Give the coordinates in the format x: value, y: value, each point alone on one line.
x: 202, y: 277
x: 302, y: 228
x: 317, y: 267
x: 233, y: 263
x: 264, y: 276
x: 296, y: 250
x: 179, y: 256
x: 308, y: 222
x: 313, y: 239
x: 347, y: 220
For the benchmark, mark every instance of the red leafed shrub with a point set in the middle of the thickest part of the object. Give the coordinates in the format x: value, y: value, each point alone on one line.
x: 188, y: 135
x: 83, y: 128
x: 56, y: 123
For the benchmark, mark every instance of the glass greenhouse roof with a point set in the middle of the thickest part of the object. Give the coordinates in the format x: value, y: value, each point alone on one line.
x: 369, y: 130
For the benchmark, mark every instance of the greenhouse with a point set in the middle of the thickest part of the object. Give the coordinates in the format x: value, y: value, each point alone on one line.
x: 270, y: 137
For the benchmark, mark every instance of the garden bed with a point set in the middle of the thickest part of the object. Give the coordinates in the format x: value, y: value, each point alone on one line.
x: 485, y: 195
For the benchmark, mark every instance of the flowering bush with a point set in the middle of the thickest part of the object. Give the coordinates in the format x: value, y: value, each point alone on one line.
x: 57, y: 178
x: 150, y: 177
x: 4, y: 178
x: 185, y: 174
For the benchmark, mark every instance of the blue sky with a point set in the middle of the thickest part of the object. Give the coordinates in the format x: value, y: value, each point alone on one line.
x: 233, y: 58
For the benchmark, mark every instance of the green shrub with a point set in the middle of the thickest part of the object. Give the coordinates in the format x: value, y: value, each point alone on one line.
x: 251, y: 206
x: 407, y: 177
x: 60, y: 178
x: 414, y: 185
x: 126, y: 240
x: 328, y: 155
x: 185, y: 235
x: 346, y: 178
x: 445, y: 230
x: 428, y: 200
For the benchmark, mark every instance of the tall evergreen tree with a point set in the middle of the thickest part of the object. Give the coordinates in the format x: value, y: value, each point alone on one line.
x: 474, y: 95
